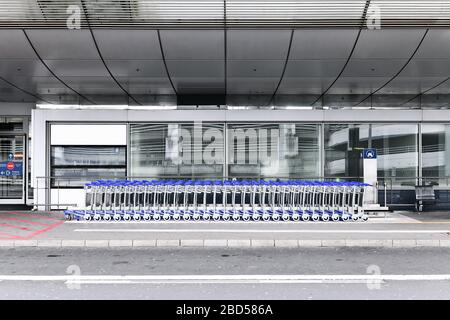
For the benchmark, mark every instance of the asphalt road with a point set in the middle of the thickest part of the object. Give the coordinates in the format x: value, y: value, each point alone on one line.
x: 315, y: 273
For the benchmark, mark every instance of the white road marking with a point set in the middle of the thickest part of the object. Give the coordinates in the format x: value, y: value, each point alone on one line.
x: 226, y: 279
x: 260, y: 231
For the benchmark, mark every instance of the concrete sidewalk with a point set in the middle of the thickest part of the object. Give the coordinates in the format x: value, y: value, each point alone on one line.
x: 25, y: 229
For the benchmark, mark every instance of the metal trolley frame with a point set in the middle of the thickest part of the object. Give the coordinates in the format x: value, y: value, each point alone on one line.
x: 246, y: 200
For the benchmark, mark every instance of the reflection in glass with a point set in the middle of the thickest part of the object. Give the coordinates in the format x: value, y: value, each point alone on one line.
x: 436, y: 153
x: 396, y: 145
x: 273, y: 150
x: 73, y: 166
x: 88, y: 156
x: 182, y: 150
x: 343, y: 146
x: 11, y: 186
x: 65, y: 177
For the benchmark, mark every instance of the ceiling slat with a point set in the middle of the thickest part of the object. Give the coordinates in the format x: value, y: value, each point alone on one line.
x: 210, y: 13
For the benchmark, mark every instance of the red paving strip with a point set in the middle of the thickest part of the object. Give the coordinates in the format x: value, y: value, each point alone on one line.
x: 36, y: 233
x: 7, y: 225
x: 9, y: 236
x: 18, y: 224
x: 26, y: 221
x: 35, y: 215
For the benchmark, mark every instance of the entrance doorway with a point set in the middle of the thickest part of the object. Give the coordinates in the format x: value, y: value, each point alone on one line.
x: 12, y: 169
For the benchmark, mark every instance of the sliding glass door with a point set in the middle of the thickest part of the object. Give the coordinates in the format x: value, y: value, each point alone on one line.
x: 12, y: 168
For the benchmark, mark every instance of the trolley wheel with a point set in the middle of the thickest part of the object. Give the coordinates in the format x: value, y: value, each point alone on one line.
x: 137, y: 217
x: 146, y: 217
x: 296, y: 217
x: 196, y: 217
x: 246, y: 217
x: 315, y: 217
x: 335, y: 217
x: 107, y: 217
x: 419, y: 206
x: 97, y: 217
x: 69, y: 217
x: 206, y: 217
x: 226, y: 217
x: 276, y: 217
x: 157, y: 217
x: 285, y: 217
x: 265, y: 217
x: 364, y: 217
x: 87, y: 217
x: 127, y: 217
x: 355, y: 217
x: 216, y: 217
x: 256, y: 217
x: 176, y: 217
x: 326, y: 217
x: 305, y: 217
x: 345, y: 217
x: 186, y: 217
x: 236, y: 217
x: 166, y: 217
x: 117, y: 217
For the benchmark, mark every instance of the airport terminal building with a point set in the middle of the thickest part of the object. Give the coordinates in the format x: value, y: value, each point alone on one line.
x: 223, y: 89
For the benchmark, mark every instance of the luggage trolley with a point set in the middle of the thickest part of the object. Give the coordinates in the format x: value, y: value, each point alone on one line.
x: 269, y: 200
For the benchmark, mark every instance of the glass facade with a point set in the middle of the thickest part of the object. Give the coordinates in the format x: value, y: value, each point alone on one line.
x: 396, y: 145
x: 13, y: 159
x: 436, y: 153
x: 343, y: 144
x: 72, y: 166
x: 273, y: 150
x: 277, y: 150
x: 183, y: 150
x: 12, y: 150
x: 397, y: 148
x: 264, y: 150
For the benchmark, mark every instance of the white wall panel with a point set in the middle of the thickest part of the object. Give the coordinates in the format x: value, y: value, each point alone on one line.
x: 68, y: 198
x: 88, y: 134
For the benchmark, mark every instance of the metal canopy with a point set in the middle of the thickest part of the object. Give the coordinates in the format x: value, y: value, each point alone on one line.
x: 113, y: 60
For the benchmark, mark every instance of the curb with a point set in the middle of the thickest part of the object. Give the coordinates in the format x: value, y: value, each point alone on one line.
x: 225, y: 243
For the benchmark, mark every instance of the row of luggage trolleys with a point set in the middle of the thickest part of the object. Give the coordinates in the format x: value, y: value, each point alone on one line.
x: 226, y: 200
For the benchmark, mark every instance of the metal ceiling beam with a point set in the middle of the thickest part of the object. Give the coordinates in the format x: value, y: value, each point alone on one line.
x: 419, y: 95
x: 363, y: 19
x: 398, y: 72
x: 165, y: 63
x: 39, y: 98
x: 53, y: 73
x: 284, y: 68
x: 225, y: 49
x: 101, y: 56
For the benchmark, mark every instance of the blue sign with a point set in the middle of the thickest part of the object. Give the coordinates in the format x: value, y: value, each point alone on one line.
x: 11, y: 168
x: 370, y: 153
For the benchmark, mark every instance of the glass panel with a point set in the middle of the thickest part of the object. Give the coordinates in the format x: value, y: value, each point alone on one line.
x: 77, y: 177
x: 73, y: 166
x: 29, y: 149
x: 396, y: 146
x: 273, y: 150
x: 436, y: 154
x: 11, y: 124
x: 11, y: 167
x: 161, y: 150
x: 88, y: 156
x: 343, y: 146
